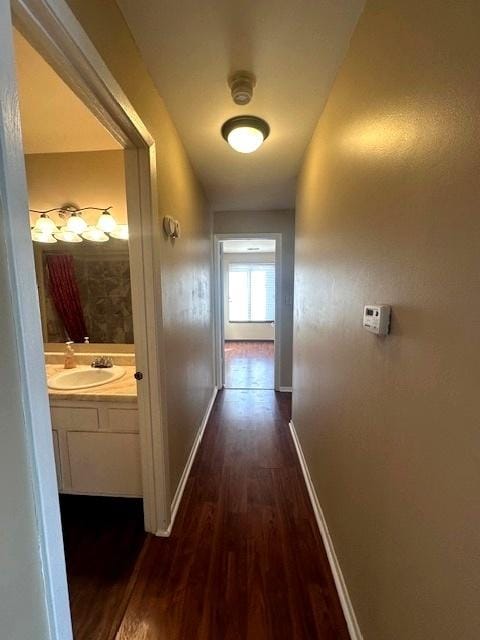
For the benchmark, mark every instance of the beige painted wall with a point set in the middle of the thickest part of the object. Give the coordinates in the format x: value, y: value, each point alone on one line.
x: 388, y: 211
x: 283, y: 222
x: 245, y: 330
x: 186, y: 264
x: 87, y: 178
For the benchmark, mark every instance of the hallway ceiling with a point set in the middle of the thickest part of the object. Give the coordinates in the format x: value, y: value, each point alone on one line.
x: 294, y: 47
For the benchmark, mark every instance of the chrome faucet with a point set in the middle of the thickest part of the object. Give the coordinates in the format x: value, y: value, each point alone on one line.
x: 102, y: 362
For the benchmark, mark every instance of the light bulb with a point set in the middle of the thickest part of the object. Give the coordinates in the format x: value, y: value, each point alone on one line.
x: 106, y: 222
x: 45, y: 224
x: 245, y: 134
x: 245, y: 139
x: 65, y: 235
x: 94, y: 235
x: 42, y: 236
x: 120, y: 233
x: 76, y: 224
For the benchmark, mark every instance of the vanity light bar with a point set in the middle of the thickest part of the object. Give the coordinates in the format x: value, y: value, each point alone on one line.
x: 76, y: 229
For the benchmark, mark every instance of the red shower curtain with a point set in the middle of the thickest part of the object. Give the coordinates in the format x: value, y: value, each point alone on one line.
x: 66, y: 297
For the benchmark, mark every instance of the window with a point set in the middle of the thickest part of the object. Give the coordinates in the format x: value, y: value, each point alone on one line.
x: 251, y: 292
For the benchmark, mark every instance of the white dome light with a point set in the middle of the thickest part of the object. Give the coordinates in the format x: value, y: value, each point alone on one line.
x: 120, y: 233
x: 95, y: 235
x: 76, y: 224
x: 67, y: 236
x: 106, y: 222
x: 245, y: 134
x: 245, y: 139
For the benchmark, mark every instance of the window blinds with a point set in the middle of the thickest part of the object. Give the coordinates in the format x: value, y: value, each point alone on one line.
x: 251, y: 292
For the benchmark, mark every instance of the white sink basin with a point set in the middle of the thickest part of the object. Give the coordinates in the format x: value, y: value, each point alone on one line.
x: 84, y: 378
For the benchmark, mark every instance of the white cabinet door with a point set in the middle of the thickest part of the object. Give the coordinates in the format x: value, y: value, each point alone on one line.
x: 105, y: 463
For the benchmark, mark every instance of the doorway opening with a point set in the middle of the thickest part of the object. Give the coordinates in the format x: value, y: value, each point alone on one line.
x: 249, y: 313
x: 138, y: 485
x: 75, y: 171
x: 248, y: 271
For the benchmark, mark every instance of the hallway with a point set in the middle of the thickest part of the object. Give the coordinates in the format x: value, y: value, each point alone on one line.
x: 234, y: 566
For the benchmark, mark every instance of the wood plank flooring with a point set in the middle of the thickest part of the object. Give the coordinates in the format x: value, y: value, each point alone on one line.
x: 245, y: 560
x: 249, y: 364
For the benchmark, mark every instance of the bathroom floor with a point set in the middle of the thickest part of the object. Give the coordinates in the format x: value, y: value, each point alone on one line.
x: 103, y: 540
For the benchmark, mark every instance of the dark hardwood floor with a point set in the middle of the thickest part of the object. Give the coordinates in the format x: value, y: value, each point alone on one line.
x: 103, y: 540
x: 249, y: 365
x: 245, y: 560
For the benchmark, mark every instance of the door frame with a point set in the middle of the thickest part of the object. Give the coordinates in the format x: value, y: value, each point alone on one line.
x: 51, y: 27
x: 219, y: 311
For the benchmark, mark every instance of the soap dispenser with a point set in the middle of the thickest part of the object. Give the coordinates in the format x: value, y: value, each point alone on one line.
x: 69, y: 356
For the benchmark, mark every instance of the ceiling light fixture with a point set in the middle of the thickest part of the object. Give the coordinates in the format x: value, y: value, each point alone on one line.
x: 245, y: 134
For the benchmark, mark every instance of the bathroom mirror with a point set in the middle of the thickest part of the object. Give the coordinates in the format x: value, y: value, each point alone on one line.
x: 84, y: 291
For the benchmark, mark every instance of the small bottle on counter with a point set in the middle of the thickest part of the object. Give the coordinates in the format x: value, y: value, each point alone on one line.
x: 69, y: 356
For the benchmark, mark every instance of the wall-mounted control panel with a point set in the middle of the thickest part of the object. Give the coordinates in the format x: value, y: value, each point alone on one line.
x: 376, y: 318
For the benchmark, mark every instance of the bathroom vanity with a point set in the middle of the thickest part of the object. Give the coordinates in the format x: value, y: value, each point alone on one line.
x: 96, y: 437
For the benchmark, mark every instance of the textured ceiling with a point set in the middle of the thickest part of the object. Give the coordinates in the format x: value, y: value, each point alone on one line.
x: 294, y: 47
x: 54, y: 120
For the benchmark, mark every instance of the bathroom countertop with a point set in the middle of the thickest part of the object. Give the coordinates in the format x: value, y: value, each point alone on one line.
x: 122, y: 390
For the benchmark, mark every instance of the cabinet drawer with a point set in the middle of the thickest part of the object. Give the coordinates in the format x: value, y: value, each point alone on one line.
x: 123, y: 419
x: 77, y: 418
x: 105, y: 463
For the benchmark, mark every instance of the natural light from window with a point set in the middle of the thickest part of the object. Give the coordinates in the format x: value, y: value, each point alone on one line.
x: 251, y: 292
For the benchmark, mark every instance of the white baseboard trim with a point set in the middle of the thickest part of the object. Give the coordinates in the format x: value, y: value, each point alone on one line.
x: 164, y: 533
x: 285, y: 389
x: 347, y: 607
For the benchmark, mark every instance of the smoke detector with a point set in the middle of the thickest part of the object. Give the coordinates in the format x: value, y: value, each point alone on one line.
x: 241, y: 84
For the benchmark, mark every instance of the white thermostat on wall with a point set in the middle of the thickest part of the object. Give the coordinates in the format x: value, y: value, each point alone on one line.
x: 376, y: 318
